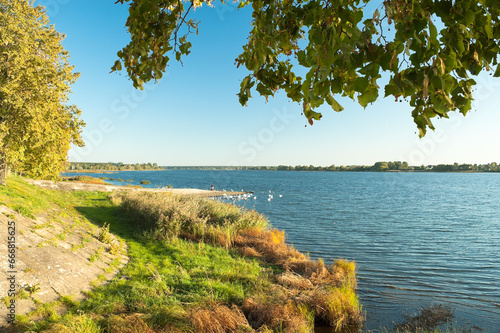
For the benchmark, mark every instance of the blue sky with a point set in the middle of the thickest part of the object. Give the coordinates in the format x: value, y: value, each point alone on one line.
x: 192, y: 117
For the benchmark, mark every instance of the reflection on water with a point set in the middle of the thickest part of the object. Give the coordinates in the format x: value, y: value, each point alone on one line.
x: 418, y: 238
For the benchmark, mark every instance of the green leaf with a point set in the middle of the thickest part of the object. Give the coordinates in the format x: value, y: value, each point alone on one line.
x: 433, y: 31
x: 488, y: 28
x: 369, y: 96
x: 497, y: 72
x: 310, y: 114
x: 360, y: 84
x: 118, y: 65
x: 333, y: 103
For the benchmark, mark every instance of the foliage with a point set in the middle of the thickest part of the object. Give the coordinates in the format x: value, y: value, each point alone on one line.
x: 110, y: 166
x: 378, y: 166
x: 344, y: 47
x: 36, y: 125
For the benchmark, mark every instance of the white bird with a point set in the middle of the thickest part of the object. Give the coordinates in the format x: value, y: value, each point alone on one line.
x: 281, y: 196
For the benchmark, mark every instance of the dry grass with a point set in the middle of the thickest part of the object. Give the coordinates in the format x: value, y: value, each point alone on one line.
x: 129, y: 324
x: 218, y: 318
x: 337, y: 306
x: 294, y: 281
x: 279, y: 315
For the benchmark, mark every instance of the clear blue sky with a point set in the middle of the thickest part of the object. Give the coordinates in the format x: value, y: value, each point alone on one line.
x: 192, y: 117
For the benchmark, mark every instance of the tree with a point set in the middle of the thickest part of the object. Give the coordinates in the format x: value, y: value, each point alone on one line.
x: 36, y: 125
x: 429, y: 49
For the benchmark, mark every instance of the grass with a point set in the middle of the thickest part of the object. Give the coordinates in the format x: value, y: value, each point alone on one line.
x: 31, y: 200
x: 86, y: 180
x: 196, y: 266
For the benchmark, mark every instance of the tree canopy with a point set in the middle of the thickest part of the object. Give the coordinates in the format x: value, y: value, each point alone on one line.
x: 430, y: 50
x: 36, y: 124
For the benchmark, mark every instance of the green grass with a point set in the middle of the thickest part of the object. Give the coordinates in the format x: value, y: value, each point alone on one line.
x: 30, y: 200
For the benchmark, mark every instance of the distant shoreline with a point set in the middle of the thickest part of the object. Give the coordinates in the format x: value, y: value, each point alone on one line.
x: 273, y: 169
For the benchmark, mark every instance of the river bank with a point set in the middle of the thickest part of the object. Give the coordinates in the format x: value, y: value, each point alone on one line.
x: 205, y: 267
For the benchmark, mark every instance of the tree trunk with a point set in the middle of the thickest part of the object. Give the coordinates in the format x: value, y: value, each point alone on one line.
x: 3, y: 169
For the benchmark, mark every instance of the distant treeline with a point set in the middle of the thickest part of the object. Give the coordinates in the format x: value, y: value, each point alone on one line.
x: 110, y: 166
x: 377, y: 167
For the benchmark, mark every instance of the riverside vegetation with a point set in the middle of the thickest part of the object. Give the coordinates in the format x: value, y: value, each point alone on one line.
x: 196, y: 265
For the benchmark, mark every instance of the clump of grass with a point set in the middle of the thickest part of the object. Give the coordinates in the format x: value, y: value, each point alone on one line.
x: 29, y: 200
x: 129, y: 324
x: 32, y: 289
x: 114, y: 246
x: 219, y: 318
x: 104, y: 234
x: 83, y: 323
x: 279, y: 316
x: 144, y: 182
